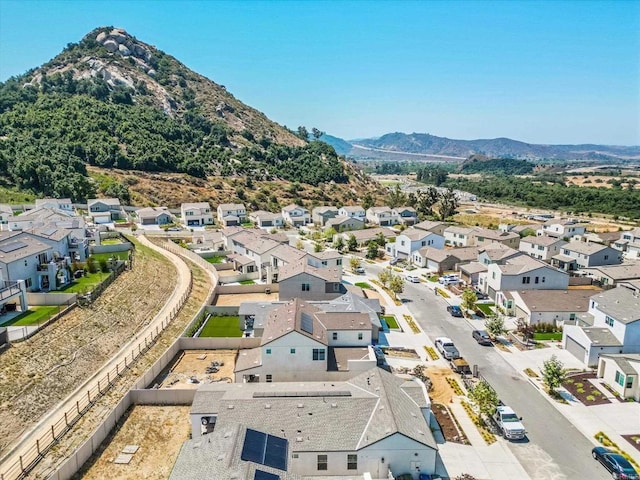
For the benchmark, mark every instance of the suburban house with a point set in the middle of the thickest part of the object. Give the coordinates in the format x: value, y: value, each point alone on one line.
x: 6, y: 212
x: 458, y: 236
x: 524, y: 230
x: 65, y: 242
x: 352, y: 211
x: 345, y: 224
x: 154, y: 216
x: 543, y: 247
x: 411, y: 240
x: 443, y: 260
x: 262, y: 219
x: 365, y: 236
x: 374, y: 425
x: 326, y: 259
x: 383, y: 216
x: 32, y: 260
x: 196, y: 214
x: 321, y: 215
x: 43, y: 216
x: 296, y: 215
x: 614, y: 274
x: 470, y: 272
x: 63, y: 204
x: 496, y: 253
x: 561, y: 228
x: 485, y: 236
x: 407, y: 215
x: 615, y: 328
x: 520, y: 273
x: 301, y: 280
x: 299, y: 341
x: 105, y: 210
x: 431, y: 226
x: 208, y: 240
x: 577, y: 255
x: 621, y: 372
x: 555, y: 307
x: 231, y: 214
x: 630, y: 242
x: 610, y: 239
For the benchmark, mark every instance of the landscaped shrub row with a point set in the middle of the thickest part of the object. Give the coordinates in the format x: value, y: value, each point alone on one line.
x: 479, y: 422
x: 432, y: 353
x: 455, y: 385
x: 412, y: 324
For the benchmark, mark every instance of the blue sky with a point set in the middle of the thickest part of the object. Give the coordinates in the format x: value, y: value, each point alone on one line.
x: 541, y: 72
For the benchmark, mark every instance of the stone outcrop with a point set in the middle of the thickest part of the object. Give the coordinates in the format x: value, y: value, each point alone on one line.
x: 119, y: 41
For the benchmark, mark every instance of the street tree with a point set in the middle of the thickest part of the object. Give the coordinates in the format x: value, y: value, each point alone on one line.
x: 329, y: 233
x: 372, y: 249
x: 553, y: 373
x: 352, y: 243
x: 385, y: 276
x: 339, y: 244
x: 354, y: 262
x: 469, y: 299
x: 396, y: 285
x: 396, y: 197
x: 485, y: 397
x: 495, y: 326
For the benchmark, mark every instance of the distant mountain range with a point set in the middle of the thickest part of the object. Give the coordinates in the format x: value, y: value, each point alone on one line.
x: 413, y: 146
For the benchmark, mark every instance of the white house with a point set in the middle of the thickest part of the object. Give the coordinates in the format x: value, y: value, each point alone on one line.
x: 621, y: 372
x: 301, y: 280
x: 562, y: 228
x: 263, y: 219
x: 630, y: 242
x: 296, y: 215
x: 543, y: 247
x: 496, y: 253
x: 63, y: 204
x: 352, y: 211
x: 383, y: 216
x: 550, y: 306
x: 154, y: 216
x: 577, y: 255
x: 196, y: 214
x: 345, y: 224
x: 411, y: 240
x: 231, y: 214
x: 615, y: 327
x: 43, y: 216
x: 374, y: 425
x: 520, y: 273
x: 459, y: 236
x: 105, y: 210
x: 6, y: 212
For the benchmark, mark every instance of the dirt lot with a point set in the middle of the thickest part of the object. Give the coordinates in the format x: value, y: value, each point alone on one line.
x: 38, y: 373
x: 159, y: 432
x: 193, y: 364
x: 441, y: 391
x: 87, y: 424
x: 236, y: 300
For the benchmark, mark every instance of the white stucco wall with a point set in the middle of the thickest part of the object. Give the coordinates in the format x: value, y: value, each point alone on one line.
x: 285, y: 366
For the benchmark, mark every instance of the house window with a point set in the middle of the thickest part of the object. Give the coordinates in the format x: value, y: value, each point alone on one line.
x: 629, y: 382
x: 336, y: 287
x: 322, y: 462
x: 268, y: 351
x: 292, y: 351
x: 620, y: 378
x: 324, y: 263
x: 335, y: 335
x: 352, y: 462
x: 572, y: 316
x: 28, y: 282
x: 360, y: 336
x: 543, y: 279
x: 402, y: 243
x: 606, y: 257
x: 339, y: 261
x: 526, y: 280
x: 269, y: 378
x: 306, y: 287
x: 318, y: 353
x: 540, y: 247
x: 493, y: 275
x: 608, y: 320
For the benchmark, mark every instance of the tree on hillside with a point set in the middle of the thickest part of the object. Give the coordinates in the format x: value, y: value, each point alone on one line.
x: 396, y: 197
x: 316, y: 133
x: 448, y: 205
x: 303, y: 133
x: 485, y: 397
x: 367, y: 201
x: 553, y: 373
x: 469, y: 299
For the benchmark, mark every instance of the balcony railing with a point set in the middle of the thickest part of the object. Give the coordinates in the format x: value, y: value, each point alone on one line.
x: 8, y: 289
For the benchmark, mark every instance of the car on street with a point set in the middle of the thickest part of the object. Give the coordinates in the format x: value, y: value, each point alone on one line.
x: 449, y: 279
x: 413, y: 278
x: 359, y: 270
x: 454, y: 310
x: 446, y: 347
x: 618, y: 466
x: 394, y: 260
x: 481, y: 337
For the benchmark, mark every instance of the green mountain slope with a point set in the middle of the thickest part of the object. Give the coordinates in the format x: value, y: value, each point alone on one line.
x: 112, y: 101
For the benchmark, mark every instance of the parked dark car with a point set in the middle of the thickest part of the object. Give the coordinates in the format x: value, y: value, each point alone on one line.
x: 480, y: 295
x: 454, y: 310
x: 619, y: 466
x: 481, y: 337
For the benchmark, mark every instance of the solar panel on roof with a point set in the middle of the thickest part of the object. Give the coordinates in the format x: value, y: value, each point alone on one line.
x: 12, y: 246
x: 265, y: 449
x: 306, y: 323
x: 260, y: 475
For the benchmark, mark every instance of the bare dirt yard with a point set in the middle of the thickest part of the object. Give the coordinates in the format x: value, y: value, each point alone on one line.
x: 441, y: 391
x: 237, y: 299
x: 193, y: 364
x: 87, y: 424
x: 158, y: 431
x: 37, y: 374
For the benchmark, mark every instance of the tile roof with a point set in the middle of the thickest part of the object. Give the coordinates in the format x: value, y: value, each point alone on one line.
x: 292, y: 269
x: 618, y: 272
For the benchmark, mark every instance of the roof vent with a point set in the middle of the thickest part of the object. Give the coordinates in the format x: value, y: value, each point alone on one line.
x: 300, y: 405
x: 299, y: 439
x: 230, y: 407
x: 334, y: 405
x: 267, y: 406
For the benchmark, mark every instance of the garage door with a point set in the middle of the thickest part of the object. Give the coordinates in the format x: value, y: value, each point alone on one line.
x: 576, y: 349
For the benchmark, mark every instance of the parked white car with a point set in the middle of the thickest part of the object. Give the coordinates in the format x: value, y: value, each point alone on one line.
x: 412, y: 278
x: 449, y: 279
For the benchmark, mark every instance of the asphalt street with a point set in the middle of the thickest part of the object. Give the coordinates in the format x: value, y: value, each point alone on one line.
x: 554, y: 449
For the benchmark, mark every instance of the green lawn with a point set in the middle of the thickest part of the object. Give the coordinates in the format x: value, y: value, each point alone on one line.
x: 33, y: 316
x: 111, y: 241
x: 548, y: 336
x: 83, y: 284
x: 363, y: 285
x: 247, y: 282
x: 216, y: 259
x: 433, y: 278
x: 391, y: 321
x: 222, y: 327
x: 107, y: 256
x: 486, y: 308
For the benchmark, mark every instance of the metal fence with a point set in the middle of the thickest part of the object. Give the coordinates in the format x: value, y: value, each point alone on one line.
x: 39, y: 446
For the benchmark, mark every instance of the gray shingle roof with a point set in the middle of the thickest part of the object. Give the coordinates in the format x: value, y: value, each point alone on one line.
x: 620, y: 303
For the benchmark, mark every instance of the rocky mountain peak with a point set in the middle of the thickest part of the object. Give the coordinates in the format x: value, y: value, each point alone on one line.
x: 117, y: 40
